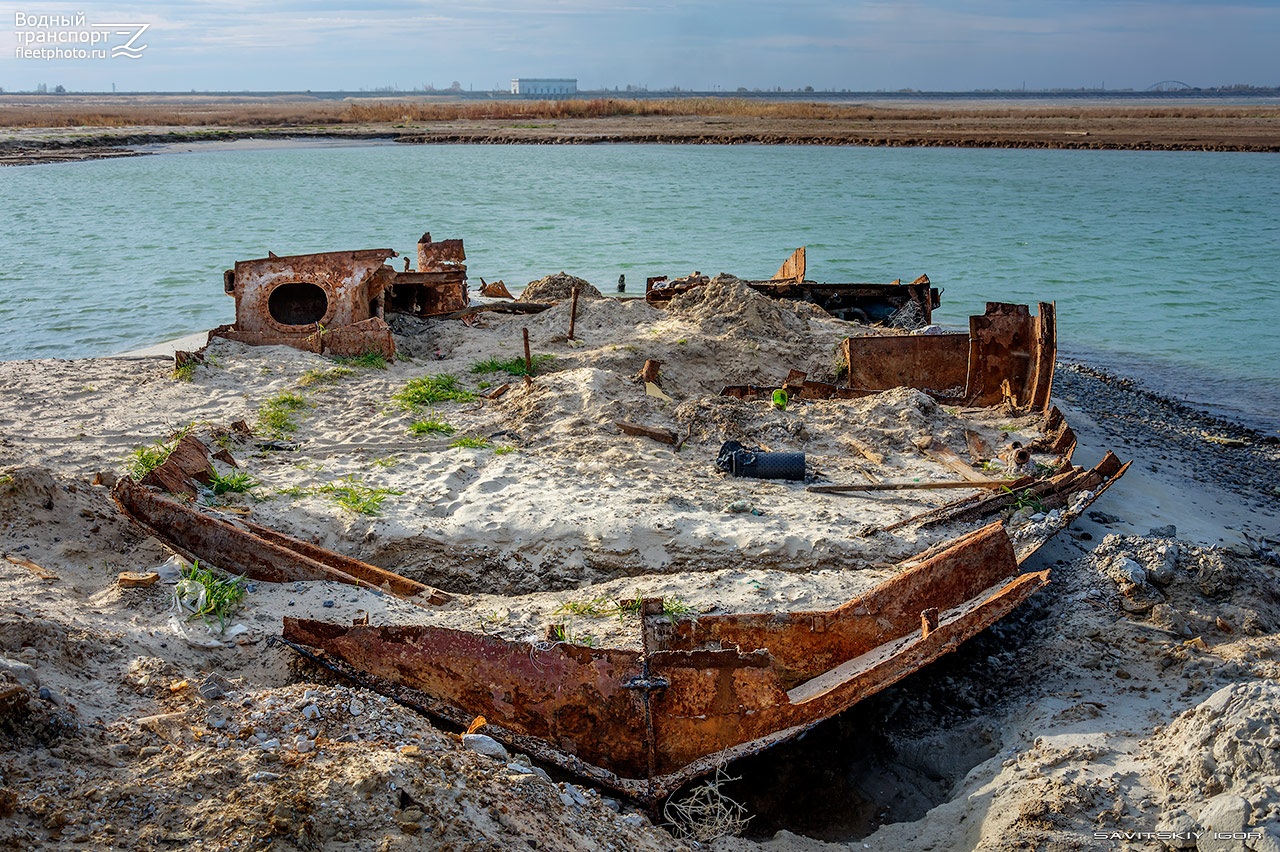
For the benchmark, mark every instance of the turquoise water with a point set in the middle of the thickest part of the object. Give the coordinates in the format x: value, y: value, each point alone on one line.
x: 1162, y: 264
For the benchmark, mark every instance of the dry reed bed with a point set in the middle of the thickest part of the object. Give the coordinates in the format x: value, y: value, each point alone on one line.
x: 20, y: 111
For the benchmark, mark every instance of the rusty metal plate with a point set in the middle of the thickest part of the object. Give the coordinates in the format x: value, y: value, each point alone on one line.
x: 252, y: 550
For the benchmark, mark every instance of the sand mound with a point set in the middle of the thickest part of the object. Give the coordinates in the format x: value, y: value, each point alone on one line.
x: 558, y: 288
x: 726, y: 306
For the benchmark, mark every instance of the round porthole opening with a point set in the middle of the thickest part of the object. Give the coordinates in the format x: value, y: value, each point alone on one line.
x: 298, y: 303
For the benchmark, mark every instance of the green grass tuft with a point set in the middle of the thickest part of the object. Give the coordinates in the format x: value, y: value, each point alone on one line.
x: 426, y: 390
x: 275, y: 418
x: 469, y: 443
x: 185, y: 373
x: 512, y: 366
x: 356, y: 496
x: 202, y: 593
x: 143, y: 460
x: 232, y: 482
x: 503, y: 449
x: 331, y: 376
x: 430, y: 427
x: 367, y: 361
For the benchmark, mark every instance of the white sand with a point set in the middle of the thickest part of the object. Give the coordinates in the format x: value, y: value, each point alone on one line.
x: 575, y: 511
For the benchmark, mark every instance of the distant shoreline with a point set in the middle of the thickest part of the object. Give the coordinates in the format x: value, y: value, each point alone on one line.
x: 995, y: 123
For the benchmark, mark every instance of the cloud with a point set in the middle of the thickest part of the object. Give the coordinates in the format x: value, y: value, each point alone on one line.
x: 923, y: 44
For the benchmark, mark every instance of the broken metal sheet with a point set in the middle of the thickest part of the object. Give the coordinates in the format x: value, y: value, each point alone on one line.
x: 705, y: 689
x: 438, y: 287
x: 242, y: 547
x: 1007, y: 357
x: 793, y: 268
x: 187, y: 464
x: 901, y: 305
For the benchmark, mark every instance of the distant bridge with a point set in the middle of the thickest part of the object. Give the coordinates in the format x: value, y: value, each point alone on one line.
x: 1168, y: 86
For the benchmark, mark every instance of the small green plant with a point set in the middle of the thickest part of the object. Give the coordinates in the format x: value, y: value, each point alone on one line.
x: 355, y: 496
x: 202, y: 593
x: 566, y: 633
x: 672, y: 607
x: 594, y: 608
x: 275, y: 417
x: 421, y: 428
x: 386, y: 462
x: 469, y: 443
x: 185, y: 373
x: 511, y: 366
x: 232, y: 482
x: 292, y: 491
x: 503, y: 449
x: 331, y: 376
x: 426, y: 390
x: 5, y: 479
x: 367, y: 361
x: 682, y: 341
x: 1024, y: 499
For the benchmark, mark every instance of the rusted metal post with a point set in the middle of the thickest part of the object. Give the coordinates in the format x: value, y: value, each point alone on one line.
x: 528, y: 359
x: 573, y: 311
x: 928, y: 621
x: 649, y: 372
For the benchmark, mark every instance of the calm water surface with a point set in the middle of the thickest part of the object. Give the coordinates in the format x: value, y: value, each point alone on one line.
x: 1162, y: 264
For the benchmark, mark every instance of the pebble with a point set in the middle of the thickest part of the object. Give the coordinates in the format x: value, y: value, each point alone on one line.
x: 572, y: 795
x: 264, y: 777
x: 50, y: 695
x: 486, y: 745
x: 1223, y: 815
x: 210, y: 689
x: 271, y: 744
x: 1131, y: 571
x: 21, y: 672
x: 149, y: 751
x: 328, y: 604
x: 302, y: 745
x: 311, y: 711
x: 1179, y: 823
x: 356, y: 707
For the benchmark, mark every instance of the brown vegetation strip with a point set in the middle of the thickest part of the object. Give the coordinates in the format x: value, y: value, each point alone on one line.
x: 685, y: 121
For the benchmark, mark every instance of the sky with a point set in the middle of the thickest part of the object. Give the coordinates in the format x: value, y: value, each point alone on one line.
x: 702, y: 45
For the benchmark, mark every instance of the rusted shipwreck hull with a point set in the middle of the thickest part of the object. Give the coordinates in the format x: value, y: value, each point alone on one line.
x: 903, y: 305
x: 705, y: 689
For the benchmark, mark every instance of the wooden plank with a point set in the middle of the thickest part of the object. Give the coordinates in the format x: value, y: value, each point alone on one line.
x: 662, y: 436
x: 944, y: 455
x: 39, y: 570
x: 865, y: 451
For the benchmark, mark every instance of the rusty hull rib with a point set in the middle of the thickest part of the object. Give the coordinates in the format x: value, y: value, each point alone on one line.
x: 706, y: 689
x: 572, y: 697
x: 1007, y: 356
x: 255, y: 551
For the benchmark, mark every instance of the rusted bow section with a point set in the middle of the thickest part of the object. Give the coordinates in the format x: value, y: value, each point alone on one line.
x: 705, y: 689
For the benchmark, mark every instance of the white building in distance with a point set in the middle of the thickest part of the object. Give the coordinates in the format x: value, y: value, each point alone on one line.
x: 544, y: 86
